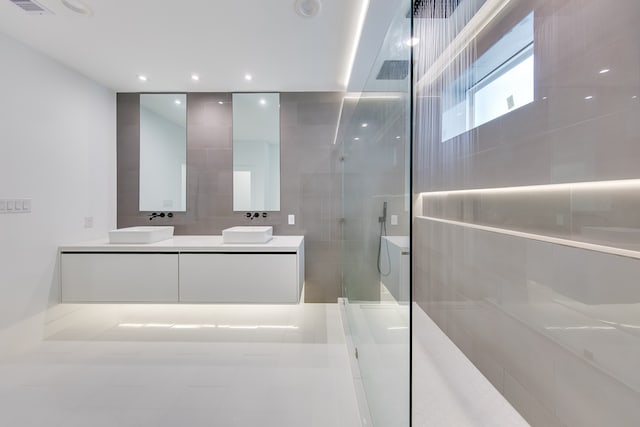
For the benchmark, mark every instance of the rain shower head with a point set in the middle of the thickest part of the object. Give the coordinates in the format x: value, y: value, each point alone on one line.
x: 434, y: 9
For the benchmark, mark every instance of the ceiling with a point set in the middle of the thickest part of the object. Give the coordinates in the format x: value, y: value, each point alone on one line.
x: 220, y: 40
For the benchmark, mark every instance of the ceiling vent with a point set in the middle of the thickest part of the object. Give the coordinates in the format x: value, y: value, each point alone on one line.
x: 433, y: 9
x: 31, y: 7
x: 308, y: 8
x: 393, y: 70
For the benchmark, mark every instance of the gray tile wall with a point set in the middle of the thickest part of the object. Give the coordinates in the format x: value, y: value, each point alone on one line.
x: 554, y: 328
x: 311, y: 180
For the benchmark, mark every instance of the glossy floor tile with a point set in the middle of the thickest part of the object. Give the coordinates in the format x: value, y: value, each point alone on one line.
x: 448, y: 390
x: 183, y: 365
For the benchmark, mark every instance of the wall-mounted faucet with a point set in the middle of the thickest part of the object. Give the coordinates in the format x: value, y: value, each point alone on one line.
x: 160, y: 215
x: 254, y: 215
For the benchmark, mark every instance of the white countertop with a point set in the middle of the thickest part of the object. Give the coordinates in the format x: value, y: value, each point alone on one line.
x: 189, y: 243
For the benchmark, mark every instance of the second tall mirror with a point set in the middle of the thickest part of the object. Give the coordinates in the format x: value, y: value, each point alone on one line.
x: 256, y: 152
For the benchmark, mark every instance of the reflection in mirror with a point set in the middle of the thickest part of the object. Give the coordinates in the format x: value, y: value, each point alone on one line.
x: 163, y: 147
x: 256, y: 151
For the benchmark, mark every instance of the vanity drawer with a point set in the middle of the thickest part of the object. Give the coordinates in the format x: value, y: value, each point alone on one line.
x: 239, y: 277
x: 119, y: 277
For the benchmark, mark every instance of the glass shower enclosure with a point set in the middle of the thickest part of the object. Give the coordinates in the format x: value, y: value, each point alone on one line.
x: 375, y: 135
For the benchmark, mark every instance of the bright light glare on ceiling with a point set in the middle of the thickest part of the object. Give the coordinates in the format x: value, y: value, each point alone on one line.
x: 412, y: 41
x: 142, y: 77
x: 195, y: 77
x: 178, y: 102
x: 604, y: 71
x: 248, y: 77
x: 263, y: 101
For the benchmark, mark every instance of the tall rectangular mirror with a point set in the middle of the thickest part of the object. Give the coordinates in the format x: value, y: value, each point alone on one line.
x: 256, y: 152
x: 163, y: 152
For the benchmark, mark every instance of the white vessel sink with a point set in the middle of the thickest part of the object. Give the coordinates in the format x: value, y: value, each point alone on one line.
x: 140, y: 234
x: 247, y: 234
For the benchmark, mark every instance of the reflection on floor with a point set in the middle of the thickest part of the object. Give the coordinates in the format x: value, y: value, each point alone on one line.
x: 447, y: 389
x: 380, y: 332
x: 183, y: 365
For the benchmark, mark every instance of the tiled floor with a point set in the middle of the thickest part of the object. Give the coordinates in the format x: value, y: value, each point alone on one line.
x: 183, y: 365
x: 447, y: 390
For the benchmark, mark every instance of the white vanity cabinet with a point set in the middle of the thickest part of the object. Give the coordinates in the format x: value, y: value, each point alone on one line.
x: 185, y: 269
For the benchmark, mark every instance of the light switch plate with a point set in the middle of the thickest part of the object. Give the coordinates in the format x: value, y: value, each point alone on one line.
x: 394, y: 219
x: 11, y: 206
x: 292, y: 219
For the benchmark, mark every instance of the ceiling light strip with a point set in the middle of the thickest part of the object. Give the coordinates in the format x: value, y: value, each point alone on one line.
x: 356, y: 41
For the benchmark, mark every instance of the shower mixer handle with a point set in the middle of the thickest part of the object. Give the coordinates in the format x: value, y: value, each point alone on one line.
x: 383, y: 218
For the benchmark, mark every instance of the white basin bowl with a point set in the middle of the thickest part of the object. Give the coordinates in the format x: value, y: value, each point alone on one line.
x: 247, y: 234
x: 140, y: 234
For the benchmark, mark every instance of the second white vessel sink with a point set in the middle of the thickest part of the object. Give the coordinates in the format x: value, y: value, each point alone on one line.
x: 247, y: 234
x: 141, y: 234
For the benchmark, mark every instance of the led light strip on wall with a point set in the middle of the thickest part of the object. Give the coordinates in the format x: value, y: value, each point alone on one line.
x: 568, y: 188
x: 595, y: 185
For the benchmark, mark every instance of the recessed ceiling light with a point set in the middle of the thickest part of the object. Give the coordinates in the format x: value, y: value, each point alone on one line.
x: 412, y: 41
x: 142, y: 77
x: 398, y: 137
x: 178, y: 102
x: 356, y: 139
x: 604, y: 71
x: 263, y: 101
x: 308, y: 8
x: 588, y: 97
x: 195, y: 77
x: 364, y: 125
x: 634, y: 97
x: 77, y: 6
x: 248, y: 77
x: 220, y: 102
x: 544, y: 97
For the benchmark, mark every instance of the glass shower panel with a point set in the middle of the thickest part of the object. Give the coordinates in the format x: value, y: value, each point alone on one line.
x: 526, y: 232
x: 375, y: 137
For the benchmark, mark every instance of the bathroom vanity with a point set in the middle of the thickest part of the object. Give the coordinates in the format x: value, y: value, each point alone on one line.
x: 184, y: 269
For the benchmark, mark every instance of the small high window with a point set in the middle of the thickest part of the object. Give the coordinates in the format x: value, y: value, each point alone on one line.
x: 500, y: 81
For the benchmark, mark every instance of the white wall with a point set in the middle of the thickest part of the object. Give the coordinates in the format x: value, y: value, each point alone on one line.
x: 57, y: 147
